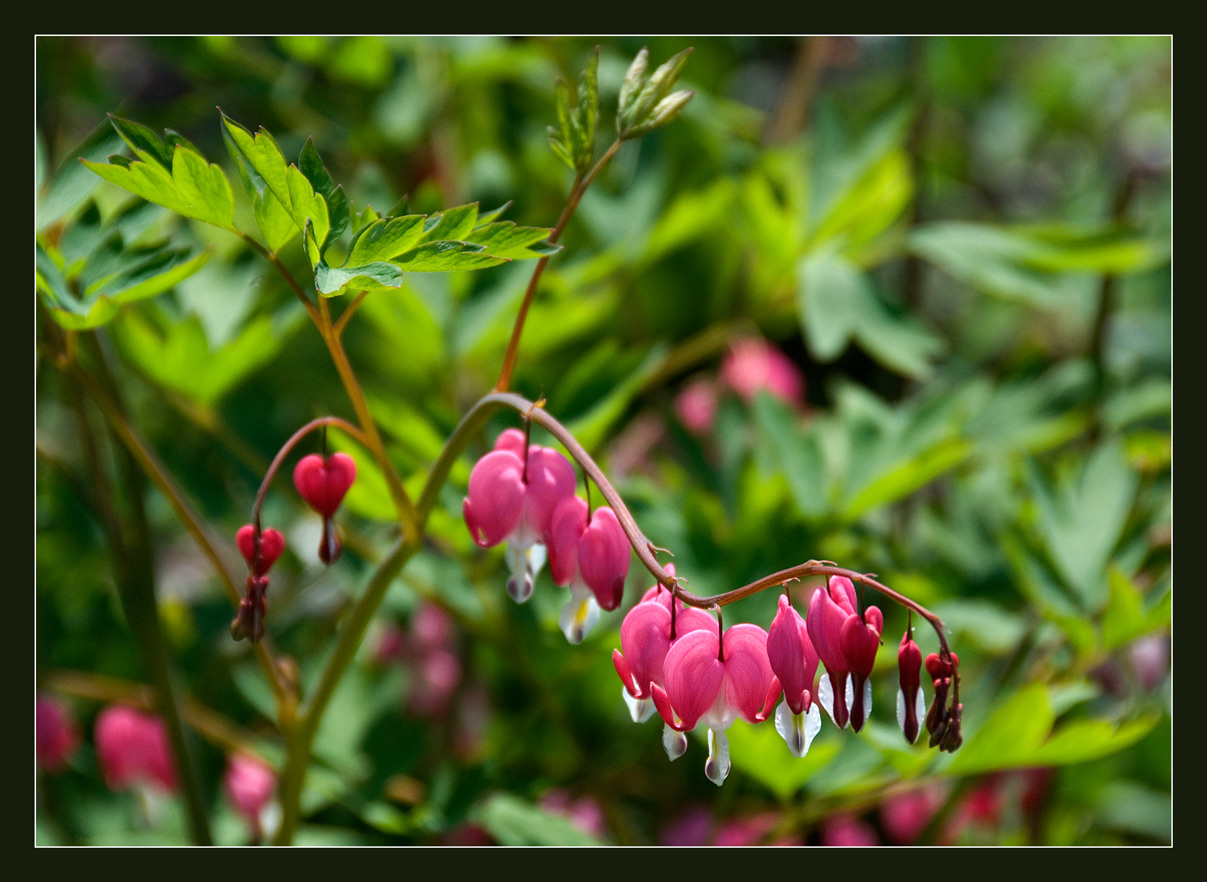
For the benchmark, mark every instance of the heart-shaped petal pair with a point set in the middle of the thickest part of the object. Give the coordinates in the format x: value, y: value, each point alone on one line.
x: 323, y: 482
x: 272, y: 543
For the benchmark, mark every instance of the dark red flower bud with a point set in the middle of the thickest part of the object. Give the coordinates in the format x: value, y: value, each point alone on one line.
x: 272, y: 543
x: 910, y: 706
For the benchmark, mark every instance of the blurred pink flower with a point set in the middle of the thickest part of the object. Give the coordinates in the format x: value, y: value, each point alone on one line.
x: 753, y: 365
x: 56, y: 736
x: 249, y: 786
x: 436, y: 675
x: 696, y: 405
x: 585, y: 812
x: 1149, y: 657
x: 753, y: 830
x: 132, y: 748
x: 846, y: 831
x: 905, y: 815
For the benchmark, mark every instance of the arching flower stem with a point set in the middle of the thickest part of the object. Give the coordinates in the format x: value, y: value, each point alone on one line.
x: 476, y: 417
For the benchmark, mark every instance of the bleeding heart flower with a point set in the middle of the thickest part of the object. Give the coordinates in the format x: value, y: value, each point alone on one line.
x: 829, y: 608
x: 794, y: 661
x: 714, y: 680
x: 323, y: 482
x: 272, y: 543
x: 132, y: 749
x: 860, y: 638
x: 589, y: 553
x: 911, y: 707
x: 511, y: 499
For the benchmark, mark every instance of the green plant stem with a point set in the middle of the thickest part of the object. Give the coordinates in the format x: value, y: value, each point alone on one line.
x: 408, y: 517
x: 577, y: 189
x: 300, y: 739
x: 134, y: 567
x: 159, y: 476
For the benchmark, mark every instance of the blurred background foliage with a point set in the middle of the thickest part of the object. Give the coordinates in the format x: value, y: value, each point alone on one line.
x: 962, y: 245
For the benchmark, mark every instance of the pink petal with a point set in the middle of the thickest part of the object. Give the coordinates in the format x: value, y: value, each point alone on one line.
x: 603, y: 557
x: 566, y: 527
x: 496, y: 497
x: 694, y: 675
x: 550, y: 480
x: 748, y: 673
x: 792, y: 656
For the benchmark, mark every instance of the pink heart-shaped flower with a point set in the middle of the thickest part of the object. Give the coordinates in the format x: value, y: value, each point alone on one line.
x: 323, y: 482
x: 272, y: 543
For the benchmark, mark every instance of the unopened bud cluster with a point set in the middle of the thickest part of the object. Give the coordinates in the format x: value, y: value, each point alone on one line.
x: 322, y: 482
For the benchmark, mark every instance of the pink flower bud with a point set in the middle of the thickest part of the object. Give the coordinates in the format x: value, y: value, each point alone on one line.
x: 696, y: 406
x: 132, y: 748
x: 829, y: 608
x: 860, y: 638
x: 249, y: 786
x: 55, y: 735
x: 753, y: 365
x: 322, y: 483
x: 589, y: 547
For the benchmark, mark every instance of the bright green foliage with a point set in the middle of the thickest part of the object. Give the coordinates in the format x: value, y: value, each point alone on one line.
x: 94, y: 267
x: 574, y: 139
x: 646, y: 101
x: 456, y: 239
x: 170, y: 172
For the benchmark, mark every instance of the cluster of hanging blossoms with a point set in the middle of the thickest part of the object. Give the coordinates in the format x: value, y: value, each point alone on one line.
x: 676, y: 657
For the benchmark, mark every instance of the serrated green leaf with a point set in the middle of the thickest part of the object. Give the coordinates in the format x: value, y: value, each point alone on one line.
x: 143, y: 273
x: 330, y: 281
x: 286, y: 182
x: 141, y: 138
x: 192, y: 188
x: 204, y: 187
x: 450, y: 224
x: 505, y: 239
x: 385, y: 238
x: 444, y: 257
x: 320, y: 179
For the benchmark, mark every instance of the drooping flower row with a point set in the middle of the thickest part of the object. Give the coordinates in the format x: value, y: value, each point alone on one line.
x: 678, y: 659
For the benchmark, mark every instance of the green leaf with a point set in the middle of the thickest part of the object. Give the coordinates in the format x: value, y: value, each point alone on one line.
x: 836, y: 302
x: 140, y: 138
x: 72, y: 181
x: 505, y: 239
x: 191, y: 188
x: 180, y: 358
x: 385, y: 238
x: 785, y: 451
x: 121, y: 276
x: 287, y: 183
x: 337, y: 202
x: 1082, y: 519
x: 646, y: 103
x: 450, y: 224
